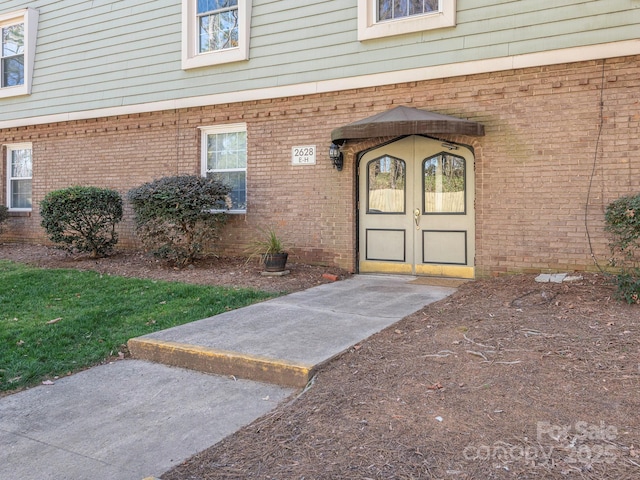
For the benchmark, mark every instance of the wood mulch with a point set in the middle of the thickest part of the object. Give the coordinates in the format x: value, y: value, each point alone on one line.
x: 505, y: 379
x: 226, y: 271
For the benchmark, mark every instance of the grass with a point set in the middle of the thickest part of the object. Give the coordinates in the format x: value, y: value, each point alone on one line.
x: 56, y: 322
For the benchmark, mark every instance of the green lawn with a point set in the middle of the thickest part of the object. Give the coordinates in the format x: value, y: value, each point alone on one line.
x: 53, y: 322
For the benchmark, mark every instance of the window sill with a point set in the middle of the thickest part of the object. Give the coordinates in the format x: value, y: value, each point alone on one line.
x: 19, y: 213
x: 17, y: 91
x: 215, y: 58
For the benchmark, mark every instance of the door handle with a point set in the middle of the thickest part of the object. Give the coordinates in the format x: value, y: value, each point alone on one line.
x: 416, y: 218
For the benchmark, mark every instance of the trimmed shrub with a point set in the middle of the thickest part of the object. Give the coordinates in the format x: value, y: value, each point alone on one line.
x: 622, y: 219
x: 4, y: 214
x: 175, y: 216
x: 82, y: 219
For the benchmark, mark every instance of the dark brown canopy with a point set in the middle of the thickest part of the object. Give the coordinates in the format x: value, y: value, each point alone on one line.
x: 401, y: 121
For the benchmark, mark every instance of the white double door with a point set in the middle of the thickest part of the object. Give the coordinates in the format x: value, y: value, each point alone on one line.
x: 416, y: 215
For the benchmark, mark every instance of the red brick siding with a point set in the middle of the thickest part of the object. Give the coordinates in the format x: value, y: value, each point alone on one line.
x: 533, y: 167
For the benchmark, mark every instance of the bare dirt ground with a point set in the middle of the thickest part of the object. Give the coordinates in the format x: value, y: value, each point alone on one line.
x: 505, y: 379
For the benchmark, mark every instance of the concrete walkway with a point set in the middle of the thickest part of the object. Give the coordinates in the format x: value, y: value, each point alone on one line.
x: 134, y: 419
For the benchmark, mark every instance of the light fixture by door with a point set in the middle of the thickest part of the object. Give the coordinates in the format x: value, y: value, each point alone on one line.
x: 336, y: 156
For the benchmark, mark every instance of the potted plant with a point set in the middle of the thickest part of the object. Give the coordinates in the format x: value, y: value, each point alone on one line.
x: 270, y: 249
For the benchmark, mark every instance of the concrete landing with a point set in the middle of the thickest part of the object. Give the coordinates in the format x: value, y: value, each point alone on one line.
x: 284, y: 340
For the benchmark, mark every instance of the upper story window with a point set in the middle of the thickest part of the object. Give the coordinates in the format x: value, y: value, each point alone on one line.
x: 217, y: 25
x: 215, y: 32
x: 224, y: 153
x: 385, y: 18
x: 19, y: 173
x: 394, y: 9
x: 17, y: 51
x: 12, y: 55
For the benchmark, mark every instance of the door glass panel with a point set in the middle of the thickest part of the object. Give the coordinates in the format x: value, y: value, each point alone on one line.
x: 386, y: 182
x: 444, y: 184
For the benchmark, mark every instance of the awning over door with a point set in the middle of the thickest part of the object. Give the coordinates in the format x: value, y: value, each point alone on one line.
x: 402, y: 121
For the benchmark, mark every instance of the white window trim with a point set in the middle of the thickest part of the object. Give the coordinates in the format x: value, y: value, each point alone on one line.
x: 213, y: 130
x: 29, y: 17
x: 369, y: 28
x: 190, y: 56
x: 9, y: 148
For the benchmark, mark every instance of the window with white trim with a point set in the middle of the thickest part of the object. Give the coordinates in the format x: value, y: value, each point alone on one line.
x: 224, y: 153
x: 19, y: 175
x: 215, y: 32
x: 17, y: 51
x: 12, y: 55
x: 385, y: 18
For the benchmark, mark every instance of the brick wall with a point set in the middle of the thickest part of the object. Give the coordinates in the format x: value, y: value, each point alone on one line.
x: 533, y: 168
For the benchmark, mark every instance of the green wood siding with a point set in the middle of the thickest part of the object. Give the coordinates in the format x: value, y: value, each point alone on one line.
x: 99, y: 54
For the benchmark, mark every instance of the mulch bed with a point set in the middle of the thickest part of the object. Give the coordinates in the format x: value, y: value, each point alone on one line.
x: 225, y: 271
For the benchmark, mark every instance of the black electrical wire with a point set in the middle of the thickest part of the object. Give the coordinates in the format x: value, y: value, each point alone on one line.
x: 593, y: 170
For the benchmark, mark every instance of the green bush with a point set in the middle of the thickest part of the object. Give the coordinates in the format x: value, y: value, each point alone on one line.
x: 82, y: 219
x: 175, y: 215
x: 4, y: 214
x: 622, y: 219
x: 628, y: 283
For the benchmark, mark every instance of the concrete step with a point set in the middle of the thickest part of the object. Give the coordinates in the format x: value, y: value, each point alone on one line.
x: 285, y: 340
x: 222, y: 362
